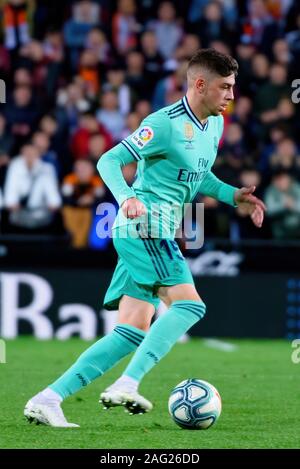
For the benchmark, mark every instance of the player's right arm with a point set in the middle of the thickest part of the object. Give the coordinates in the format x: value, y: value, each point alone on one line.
x: 147, y: 141
x: 110, y: 169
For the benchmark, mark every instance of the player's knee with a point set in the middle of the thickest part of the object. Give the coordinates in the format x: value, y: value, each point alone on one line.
x: 180, y: 292
x: 191, y: 308
x: 141, y: 321
x: 136, y: 313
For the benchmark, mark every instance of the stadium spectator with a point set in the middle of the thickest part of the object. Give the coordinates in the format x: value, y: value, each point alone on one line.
x: 133, y: 121
x: 212, y: 25
x: 15, y: 24
x: 48, y: 124
x: 167, y: 29
x: 260, y: 68
x: 42, y: 142
x: 255, y: 23
x: 281, y: 52
x: 31, y: 194
x: 188, y: 47
x: 97, y: 42
x: 196, y: 10
x: 88, y: 127
x: 71, y: 103
x: 277, y: 134
x: 22, y: 113
x: 110, y: 116
x: 81, y: 190
x: 153, y: 60
x: 282, y: 199
x: 233, y: 153
x: 229, y: 7
x: 169, y: 89
x: 32, y: 56
x: 115, y: 81
x: 135, y: 76
x: 89, y: 73
x: 245, y: 52
x: 85, y: 16
x: 270, y: 93
x: 96, y: 147
x: 143, y: 108
x: 54, y: 55
x: 125, y: 27
x: 22, y: 77
x: 59, y: 140
x: 243, y: 115
x: 285, y: 156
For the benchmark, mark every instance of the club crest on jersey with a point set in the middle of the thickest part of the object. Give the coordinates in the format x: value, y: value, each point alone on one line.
x: 142, y: 137
x: 189, y: 135
x: 188, y: 131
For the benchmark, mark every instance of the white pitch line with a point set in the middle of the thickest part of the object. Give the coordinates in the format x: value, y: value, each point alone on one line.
x: 220, y: 345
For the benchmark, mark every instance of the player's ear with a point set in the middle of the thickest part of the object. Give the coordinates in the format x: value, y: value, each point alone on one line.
x: 200, y: 84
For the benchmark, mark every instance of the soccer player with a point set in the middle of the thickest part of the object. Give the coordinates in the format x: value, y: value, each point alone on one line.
x: 175, y: 149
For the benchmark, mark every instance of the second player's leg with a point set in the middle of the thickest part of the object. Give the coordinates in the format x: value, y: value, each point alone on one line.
x: 185, y: 309
x: 136, y: 314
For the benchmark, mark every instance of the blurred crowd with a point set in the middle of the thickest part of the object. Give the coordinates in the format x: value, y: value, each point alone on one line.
x: 81, y: 75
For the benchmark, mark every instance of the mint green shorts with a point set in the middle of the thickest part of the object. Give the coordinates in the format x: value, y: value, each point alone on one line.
x: 144, y: 265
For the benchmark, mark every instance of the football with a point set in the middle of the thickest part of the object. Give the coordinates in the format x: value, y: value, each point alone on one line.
x: 195, y: 404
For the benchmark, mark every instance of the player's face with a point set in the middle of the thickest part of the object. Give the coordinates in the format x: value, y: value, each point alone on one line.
x: 218, y: 93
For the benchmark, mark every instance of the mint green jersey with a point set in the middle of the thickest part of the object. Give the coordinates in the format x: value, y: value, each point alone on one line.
x: 175, y: 153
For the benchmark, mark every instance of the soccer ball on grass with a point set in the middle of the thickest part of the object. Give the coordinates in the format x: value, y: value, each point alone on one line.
x: 195, y: 404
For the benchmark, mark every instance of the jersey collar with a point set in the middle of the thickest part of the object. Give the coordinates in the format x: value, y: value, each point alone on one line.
x: 192, y: 115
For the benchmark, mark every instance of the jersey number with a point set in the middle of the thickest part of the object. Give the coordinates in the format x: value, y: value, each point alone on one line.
x: 174, y: 247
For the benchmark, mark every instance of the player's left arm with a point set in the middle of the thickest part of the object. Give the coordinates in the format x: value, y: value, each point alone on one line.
x: 242, y: 198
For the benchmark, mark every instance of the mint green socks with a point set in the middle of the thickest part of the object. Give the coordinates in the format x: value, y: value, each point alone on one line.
x: 163, y: 334
x: 98, y: 358
x: 109, y: 350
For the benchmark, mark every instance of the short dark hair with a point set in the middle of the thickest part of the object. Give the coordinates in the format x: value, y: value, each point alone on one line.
x: 215, y: 62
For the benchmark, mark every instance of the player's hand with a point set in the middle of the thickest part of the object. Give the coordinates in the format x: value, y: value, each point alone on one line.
x: 250, y: 205
x: 133, y: 208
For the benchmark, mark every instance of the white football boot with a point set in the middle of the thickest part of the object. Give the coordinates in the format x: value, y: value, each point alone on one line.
x: 47, y: 412
x: 133, y: 402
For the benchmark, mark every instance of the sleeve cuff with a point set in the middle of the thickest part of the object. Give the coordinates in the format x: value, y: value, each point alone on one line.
x: 126, y: 195
x: 226, y: 194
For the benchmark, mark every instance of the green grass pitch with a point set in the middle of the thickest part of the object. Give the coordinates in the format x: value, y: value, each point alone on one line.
x: 258, y: 383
